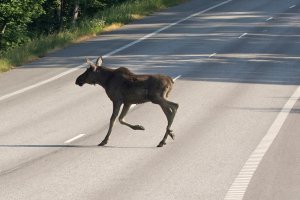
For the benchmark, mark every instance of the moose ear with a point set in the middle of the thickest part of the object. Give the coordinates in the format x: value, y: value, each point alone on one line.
x: 99, y: 61
x: 91, y: 64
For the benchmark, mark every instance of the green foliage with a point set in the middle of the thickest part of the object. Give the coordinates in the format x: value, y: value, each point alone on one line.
x: 5, y: 65
x: 127, y: 11
x: 62, y: 14
x: 14, y: 17
x: 48, y: 21
x: 40, y: 30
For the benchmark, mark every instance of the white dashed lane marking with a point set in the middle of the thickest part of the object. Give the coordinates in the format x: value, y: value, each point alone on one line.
x: 269, y: 18
x: 243, y: 35
x: 74, y: 138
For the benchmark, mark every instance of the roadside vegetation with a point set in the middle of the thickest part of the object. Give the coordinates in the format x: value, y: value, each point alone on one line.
x: 30, y: 29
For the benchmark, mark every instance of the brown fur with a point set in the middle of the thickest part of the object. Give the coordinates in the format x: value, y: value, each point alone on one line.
x: 124, y: 87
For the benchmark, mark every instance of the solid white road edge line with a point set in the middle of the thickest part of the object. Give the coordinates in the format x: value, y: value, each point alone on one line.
x: 241, y: 182
x: 74, y: 138
x: 110, y: 53
x: 41, y: 83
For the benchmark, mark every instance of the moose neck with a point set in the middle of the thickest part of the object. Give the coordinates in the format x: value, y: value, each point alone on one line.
x: 103, y: 76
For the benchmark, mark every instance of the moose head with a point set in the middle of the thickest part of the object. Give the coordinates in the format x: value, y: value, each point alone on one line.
x: 90, y: 75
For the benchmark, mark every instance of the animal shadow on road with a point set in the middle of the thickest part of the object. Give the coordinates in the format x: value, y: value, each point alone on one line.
x: 71, y: 146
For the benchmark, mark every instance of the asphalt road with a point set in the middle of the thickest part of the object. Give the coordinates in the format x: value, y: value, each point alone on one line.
x: 238, y: 63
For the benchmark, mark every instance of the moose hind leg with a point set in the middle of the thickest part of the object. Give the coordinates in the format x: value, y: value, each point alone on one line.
x: 170, y: 116
x: 116, y: 109
x: 173, y: 106
x: 125, y: 110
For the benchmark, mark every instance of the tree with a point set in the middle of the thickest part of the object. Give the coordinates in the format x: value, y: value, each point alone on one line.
x: 14, y: 17
x: 22, y: 20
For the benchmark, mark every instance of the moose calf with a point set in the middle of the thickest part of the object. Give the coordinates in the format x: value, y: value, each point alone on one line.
x: 124, y: 87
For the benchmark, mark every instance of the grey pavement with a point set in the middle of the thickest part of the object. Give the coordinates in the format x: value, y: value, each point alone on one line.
x: 238, y: 68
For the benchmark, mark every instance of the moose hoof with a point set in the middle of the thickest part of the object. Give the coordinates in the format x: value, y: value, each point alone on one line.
x: 172, y: 135
x: 138, y: 127
x: 162, y: 143
x: 102, y: 143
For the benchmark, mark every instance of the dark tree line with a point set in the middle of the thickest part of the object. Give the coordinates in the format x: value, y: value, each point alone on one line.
x: 21, y: 20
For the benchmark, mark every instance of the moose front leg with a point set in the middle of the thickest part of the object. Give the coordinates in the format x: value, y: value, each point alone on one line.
x: 116, y: 109
x: 125, y: 109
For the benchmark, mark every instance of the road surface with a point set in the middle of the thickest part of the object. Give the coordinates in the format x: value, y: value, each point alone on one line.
x: 237, y: 64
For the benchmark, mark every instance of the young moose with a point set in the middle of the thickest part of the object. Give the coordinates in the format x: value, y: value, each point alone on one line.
x: 124, y: 87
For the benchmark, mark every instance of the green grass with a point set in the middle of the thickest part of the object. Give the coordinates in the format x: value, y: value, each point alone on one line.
x: 5, y: 65
x: 107, y: 20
